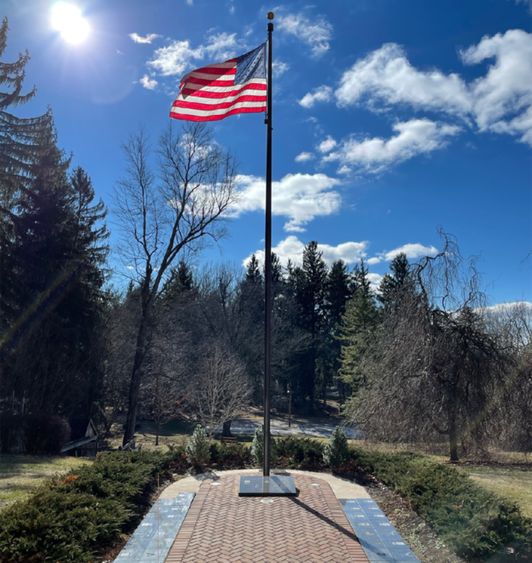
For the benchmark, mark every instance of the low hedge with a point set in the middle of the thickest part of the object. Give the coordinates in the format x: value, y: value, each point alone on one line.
x: 69, y: 517
x: 475, y: 523
x: 300, y: 453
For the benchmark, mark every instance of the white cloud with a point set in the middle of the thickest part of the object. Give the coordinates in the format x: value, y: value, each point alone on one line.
x: 292, y: 248
x: 344, y: 170
x: 147, y: 83
x: 412, y: 251
x: 279, y: 68
x: 387, y: 76
x: 414, y: 137
x: 373, y: 261
x: 300, y: 197
x: 316, y: 32
x: 375, y: 280
x: 190, y: 2
x: 179, y: 55
x: 327, y: 145
x: 349, y: 252
x: 500, y: 101
x: 223, y: 46
x: 148, y: 39
x: 321, y: 94
x: 501, y: 310
x: 304, y: 157
x: 506, y: 90
x: 174, y: 59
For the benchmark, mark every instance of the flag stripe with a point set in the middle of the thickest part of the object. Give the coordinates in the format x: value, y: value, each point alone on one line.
x: 251, y: 90
x: 210, y: 82
x: 193, y: 111
x: 214, y: 71
x: 256, y: 83
x: 203, y: 117
x: 209, y: 106
x: 211, y: 77
x: 231, y: 63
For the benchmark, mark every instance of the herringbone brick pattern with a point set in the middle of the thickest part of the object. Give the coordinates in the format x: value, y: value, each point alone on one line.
x: 222, y: 527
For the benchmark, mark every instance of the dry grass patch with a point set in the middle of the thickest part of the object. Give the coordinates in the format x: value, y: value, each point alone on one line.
x: 513, y: 483
x: 20, y: 475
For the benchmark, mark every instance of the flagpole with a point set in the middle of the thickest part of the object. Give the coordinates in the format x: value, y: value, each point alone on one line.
x: 268, y: 261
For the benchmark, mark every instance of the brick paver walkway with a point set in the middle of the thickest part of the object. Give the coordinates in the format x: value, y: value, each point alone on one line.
x: 222, y: 527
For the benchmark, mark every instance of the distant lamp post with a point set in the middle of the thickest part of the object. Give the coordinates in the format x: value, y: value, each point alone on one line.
x: 289, y: 406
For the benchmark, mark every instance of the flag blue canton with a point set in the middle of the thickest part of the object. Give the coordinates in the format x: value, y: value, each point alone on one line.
x: 251, y: 65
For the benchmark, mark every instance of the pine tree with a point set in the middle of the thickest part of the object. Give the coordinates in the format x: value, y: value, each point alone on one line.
x: 309, y: 283
x: 253, y: 274
x: 60, y: 252
x: 180, y: 281
x: 391, y: 284
x: 338, y: 293
x: 358, y: 325
x: 19, y: 152
x: 17, y: 135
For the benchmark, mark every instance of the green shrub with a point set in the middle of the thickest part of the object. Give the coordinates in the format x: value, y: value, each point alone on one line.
x: 336, y: 451
x: 300, y: 452
x: 69, y: 517
x: 197, y: 450
x: 472, y: 521
x: 257, y: 447
x: 230, y: 456
x: 58, y: 525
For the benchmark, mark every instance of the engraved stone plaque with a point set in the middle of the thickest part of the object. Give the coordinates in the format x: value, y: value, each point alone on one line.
x: 259, y: 486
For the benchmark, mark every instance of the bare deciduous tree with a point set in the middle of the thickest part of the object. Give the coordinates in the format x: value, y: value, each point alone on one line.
x: 162, y: 215
x: 219, y: 389
x: 434, y: 370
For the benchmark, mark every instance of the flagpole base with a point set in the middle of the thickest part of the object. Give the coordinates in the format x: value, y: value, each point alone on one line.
x: 273, y: 486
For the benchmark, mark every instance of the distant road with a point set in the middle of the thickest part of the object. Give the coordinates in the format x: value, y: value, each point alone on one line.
x: 280, y: 428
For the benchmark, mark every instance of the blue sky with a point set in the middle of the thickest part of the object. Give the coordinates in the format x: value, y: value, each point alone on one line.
x: 390, y: 118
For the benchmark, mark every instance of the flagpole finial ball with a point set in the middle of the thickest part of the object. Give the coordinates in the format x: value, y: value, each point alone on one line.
x: 270, y: 15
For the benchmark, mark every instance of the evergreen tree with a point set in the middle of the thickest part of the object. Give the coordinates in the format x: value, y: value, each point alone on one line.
x: 358, y: 325
x: 309, y: 286
x: 391, y: 284
x: 180, y: 281
x: 17, y: 135
x: 58, y: 276
x: 19, y: 152
x: 338, y: 293
x: 253, y: 274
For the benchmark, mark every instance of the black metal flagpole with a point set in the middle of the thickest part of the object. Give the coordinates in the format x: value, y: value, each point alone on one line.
x: 268, y: 261
x: 277, y: 485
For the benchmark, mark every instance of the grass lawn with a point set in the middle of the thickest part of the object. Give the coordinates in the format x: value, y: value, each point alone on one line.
x: 20, y: 475
x: 514, y: 483
x: 509, y: 481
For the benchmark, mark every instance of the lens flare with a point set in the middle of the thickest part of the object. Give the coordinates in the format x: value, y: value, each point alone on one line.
x: 67, y: 19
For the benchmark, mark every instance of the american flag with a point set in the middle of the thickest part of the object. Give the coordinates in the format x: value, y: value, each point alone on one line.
x: 215, y: 91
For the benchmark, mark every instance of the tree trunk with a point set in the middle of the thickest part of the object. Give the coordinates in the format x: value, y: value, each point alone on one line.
x: 453, y: 440
x: 157, y: 431
x: 226, y: 430
x: 136, y: 376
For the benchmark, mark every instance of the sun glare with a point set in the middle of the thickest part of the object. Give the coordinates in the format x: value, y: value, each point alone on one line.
x: 67, y: 19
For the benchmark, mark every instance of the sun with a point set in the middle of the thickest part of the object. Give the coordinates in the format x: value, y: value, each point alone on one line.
x: 67, y: 19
